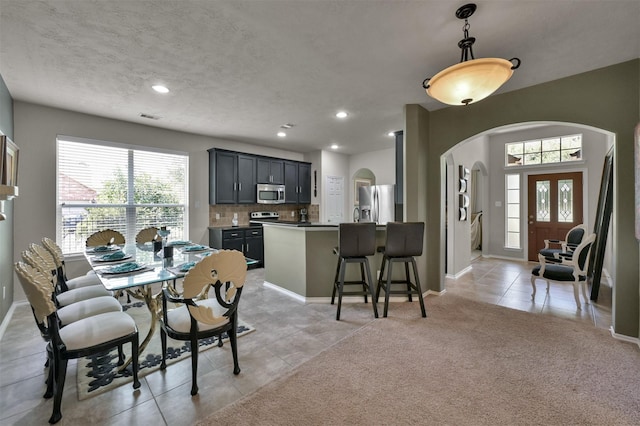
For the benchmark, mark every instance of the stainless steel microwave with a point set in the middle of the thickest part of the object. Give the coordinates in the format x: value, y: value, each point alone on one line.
x: 270, y: 194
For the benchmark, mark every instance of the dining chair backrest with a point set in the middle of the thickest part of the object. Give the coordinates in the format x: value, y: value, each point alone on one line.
x: 147, y: 235
x: 55, y: 251
x: 105, y: 237
x: 37, y: 288
x: 228, y: 267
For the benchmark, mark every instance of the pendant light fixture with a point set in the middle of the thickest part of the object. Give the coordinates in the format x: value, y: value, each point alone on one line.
x: 472, y: 79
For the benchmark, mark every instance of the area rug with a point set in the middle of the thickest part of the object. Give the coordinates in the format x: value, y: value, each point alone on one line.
x: 99, y: 373
x: 467, y: 363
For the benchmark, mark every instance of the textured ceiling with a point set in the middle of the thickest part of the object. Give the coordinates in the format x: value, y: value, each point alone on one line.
x: 238, y: 69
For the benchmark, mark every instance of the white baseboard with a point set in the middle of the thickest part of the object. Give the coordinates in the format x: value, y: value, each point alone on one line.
x: 345, y: 299
x: 7, y: 318
x: 624, y: 338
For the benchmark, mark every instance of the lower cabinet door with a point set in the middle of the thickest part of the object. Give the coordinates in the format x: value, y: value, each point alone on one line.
x: 254, y: 248
x: 233, y: 244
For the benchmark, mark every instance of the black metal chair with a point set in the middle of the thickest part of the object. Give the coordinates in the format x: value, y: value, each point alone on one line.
x: 566, y: 268
x: 198, y: 317
x: 356, y: 242
x: 78, y: 339
x: 403, y: 242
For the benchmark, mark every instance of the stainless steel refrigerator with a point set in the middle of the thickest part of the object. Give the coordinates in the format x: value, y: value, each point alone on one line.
x: 377, y: 203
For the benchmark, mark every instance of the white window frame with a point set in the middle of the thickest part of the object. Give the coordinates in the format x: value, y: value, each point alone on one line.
x: 130, y: 206
x: 560, y: 163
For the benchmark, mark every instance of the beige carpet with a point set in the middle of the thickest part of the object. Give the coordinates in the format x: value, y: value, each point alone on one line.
x: 99, y: 373
x: 468, y: 363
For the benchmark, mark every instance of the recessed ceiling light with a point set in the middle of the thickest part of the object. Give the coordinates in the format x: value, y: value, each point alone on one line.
x: 287, y: 126
x: 282, y: 134
x: 334, y: 146
x: 160, y: 89
x: 341, y: 114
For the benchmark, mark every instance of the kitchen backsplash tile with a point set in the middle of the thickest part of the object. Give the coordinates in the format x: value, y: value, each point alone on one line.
x: 286, y: 211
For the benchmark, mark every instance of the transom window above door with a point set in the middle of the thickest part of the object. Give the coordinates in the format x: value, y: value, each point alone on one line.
x: 561, y: 149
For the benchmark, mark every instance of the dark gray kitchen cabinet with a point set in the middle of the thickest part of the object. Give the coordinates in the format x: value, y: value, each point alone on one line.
x: 297, y: 182
x: 232, y: 177
x: 248, y: 240
x: 304, y: 182
x: 270, y: 170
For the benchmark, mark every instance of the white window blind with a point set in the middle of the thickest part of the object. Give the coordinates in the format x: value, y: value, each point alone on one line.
x: 105, y: 186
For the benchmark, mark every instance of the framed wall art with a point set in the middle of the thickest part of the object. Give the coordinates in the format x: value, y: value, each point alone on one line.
x: 9, y: 173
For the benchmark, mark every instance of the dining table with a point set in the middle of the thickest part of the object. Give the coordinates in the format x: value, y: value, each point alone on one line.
x: 134, y: 268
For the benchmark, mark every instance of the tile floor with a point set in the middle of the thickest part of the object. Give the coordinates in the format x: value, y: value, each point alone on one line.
x: 287, y: 334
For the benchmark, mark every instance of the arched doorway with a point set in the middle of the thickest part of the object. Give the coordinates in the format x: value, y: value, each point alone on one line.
x: 485, y: 152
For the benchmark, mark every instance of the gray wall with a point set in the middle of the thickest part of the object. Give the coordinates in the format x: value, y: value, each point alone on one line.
x: 606, y: 98
x: 6, y: 226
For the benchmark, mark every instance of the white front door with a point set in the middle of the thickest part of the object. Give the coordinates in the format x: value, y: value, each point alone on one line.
x: 334, y: 199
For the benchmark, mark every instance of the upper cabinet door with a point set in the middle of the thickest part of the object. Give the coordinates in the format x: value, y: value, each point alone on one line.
x: 304, y: 183
x: 226, y: 173
x: 246, y: 179
x: 290, y: 182
x: 270, y: 171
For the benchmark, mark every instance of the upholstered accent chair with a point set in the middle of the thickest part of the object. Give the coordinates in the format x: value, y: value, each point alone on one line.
x: 573, y: 238
x: 568, y: 268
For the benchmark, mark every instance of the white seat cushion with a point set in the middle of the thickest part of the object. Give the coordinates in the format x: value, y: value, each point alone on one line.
x: 180, y: 320
x: 96, y: 330
x: 88, y: 308
x: 82, y: 293
x: 83, y: 281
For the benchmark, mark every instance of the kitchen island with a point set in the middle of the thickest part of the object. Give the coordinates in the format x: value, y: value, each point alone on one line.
x: 299, y: 259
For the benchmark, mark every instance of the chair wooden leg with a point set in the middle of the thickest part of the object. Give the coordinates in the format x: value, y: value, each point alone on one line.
x: 233, y: 340
x: 60, y: 374
x: 134, y: 361
x: 533, y: 284
x: 583, y: 284
x: 343, y: 267
x: 418, y: 287
x: 163, y: 341
x: 371, y: 289
x: 335, y: 281
x: 576, y: 295
x: 380, y: 277
x: 362, y: 278
x: 194, y: 366
x: 50, y: 374
x: 408, y: 278
x: 387, y: 289
x: 120, y: 355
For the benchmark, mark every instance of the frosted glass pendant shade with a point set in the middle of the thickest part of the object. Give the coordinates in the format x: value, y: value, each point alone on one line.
x: 470, y: 81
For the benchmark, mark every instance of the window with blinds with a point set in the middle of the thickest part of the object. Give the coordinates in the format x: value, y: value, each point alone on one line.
x: 108, y: 186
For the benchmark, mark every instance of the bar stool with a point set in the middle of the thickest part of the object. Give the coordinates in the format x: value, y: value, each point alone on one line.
x: 403, y: 242
x: 357, y: 241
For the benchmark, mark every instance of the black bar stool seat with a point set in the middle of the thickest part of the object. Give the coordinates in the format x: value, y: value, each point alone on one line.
x: 404, y: 241
x: 356, y: 242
